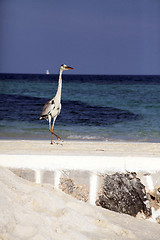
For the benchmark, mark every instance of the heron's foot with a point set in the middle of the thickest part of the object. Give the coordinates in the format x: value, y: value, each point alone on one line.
x: 58, y: 138
x: 58, y: 143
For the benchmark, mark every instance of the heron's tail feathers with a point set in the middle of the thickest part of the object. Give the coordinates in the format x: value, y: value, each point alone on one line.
x: 43, y: 117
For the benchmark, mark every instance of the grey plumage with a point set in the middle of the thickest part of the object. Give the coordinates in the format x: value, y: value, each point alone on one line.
x: 50, y: 109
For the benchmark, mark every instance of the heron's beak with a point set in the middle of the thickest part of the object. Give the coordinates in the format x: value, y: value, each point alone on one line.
x: 68, y: 68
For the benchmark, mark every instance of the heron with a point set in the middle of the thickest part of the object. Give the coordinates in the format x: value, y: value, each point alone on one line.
x: 52, y: 108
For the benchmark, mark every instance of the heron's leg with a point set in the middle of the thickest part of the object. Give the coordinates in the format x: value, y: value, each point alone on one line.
x: 58, y: 138
x: 49, y: 120
x: 54, y: 119
x: 51, y: 129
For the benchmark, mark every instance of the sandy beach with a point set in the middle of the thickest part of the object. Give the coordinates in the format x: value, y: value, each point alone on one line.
x: 80, y: 148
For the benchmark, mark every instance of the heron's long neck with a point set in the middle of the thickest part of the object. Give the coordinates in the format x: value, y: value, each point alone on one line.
x: 58, y: 94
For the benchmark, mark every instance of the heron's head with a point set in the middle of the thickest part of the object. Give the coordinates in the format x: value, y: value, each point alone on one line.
x: 65, y: 67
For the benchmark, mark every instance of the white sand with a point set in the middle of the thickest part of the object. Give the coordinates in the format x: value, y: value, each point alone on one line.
x: 80, y: 148
x: 30, y: 211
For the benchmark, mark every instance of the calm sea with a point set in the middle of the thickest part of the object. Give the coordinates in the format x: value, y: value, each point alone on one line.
x: 94, y: 107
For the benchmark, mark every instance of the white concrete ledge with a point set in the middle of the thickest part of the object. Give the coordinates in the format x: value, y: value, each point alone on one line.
x: 89, y: 163
x: 93, y: 164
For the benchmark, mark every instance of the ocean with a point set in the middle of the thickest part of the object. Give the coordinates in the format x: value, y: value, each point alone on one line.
x: 94, y: 107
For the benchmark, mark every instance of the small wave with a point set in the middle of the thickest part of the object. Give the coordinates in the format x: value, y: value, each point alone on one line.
x: 80, y: 137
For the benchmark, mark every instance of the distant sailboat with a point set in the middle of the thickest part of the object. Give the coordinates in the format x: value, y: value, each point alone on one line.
x: 47, y: 71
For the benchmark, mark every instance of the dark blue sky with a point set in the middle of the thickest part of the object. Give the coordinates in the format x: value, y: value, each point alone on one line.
x: 93, y: 36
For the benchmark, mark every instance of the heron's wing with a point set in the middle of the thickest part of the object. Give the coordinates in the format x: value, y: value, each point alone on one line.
x: 47, y: 108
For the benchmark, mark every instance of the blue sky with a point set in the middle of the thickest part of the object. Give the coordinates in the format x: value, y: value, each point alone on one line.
x: 93, y: 36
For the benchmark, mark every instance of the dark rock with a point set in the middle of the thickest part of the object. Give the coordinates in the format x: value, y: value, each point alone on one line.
x: 124, y: 193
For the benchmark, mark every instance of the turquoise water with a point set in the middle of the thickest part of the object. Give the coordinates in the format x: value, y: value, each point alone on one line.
x: 110, y: 108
